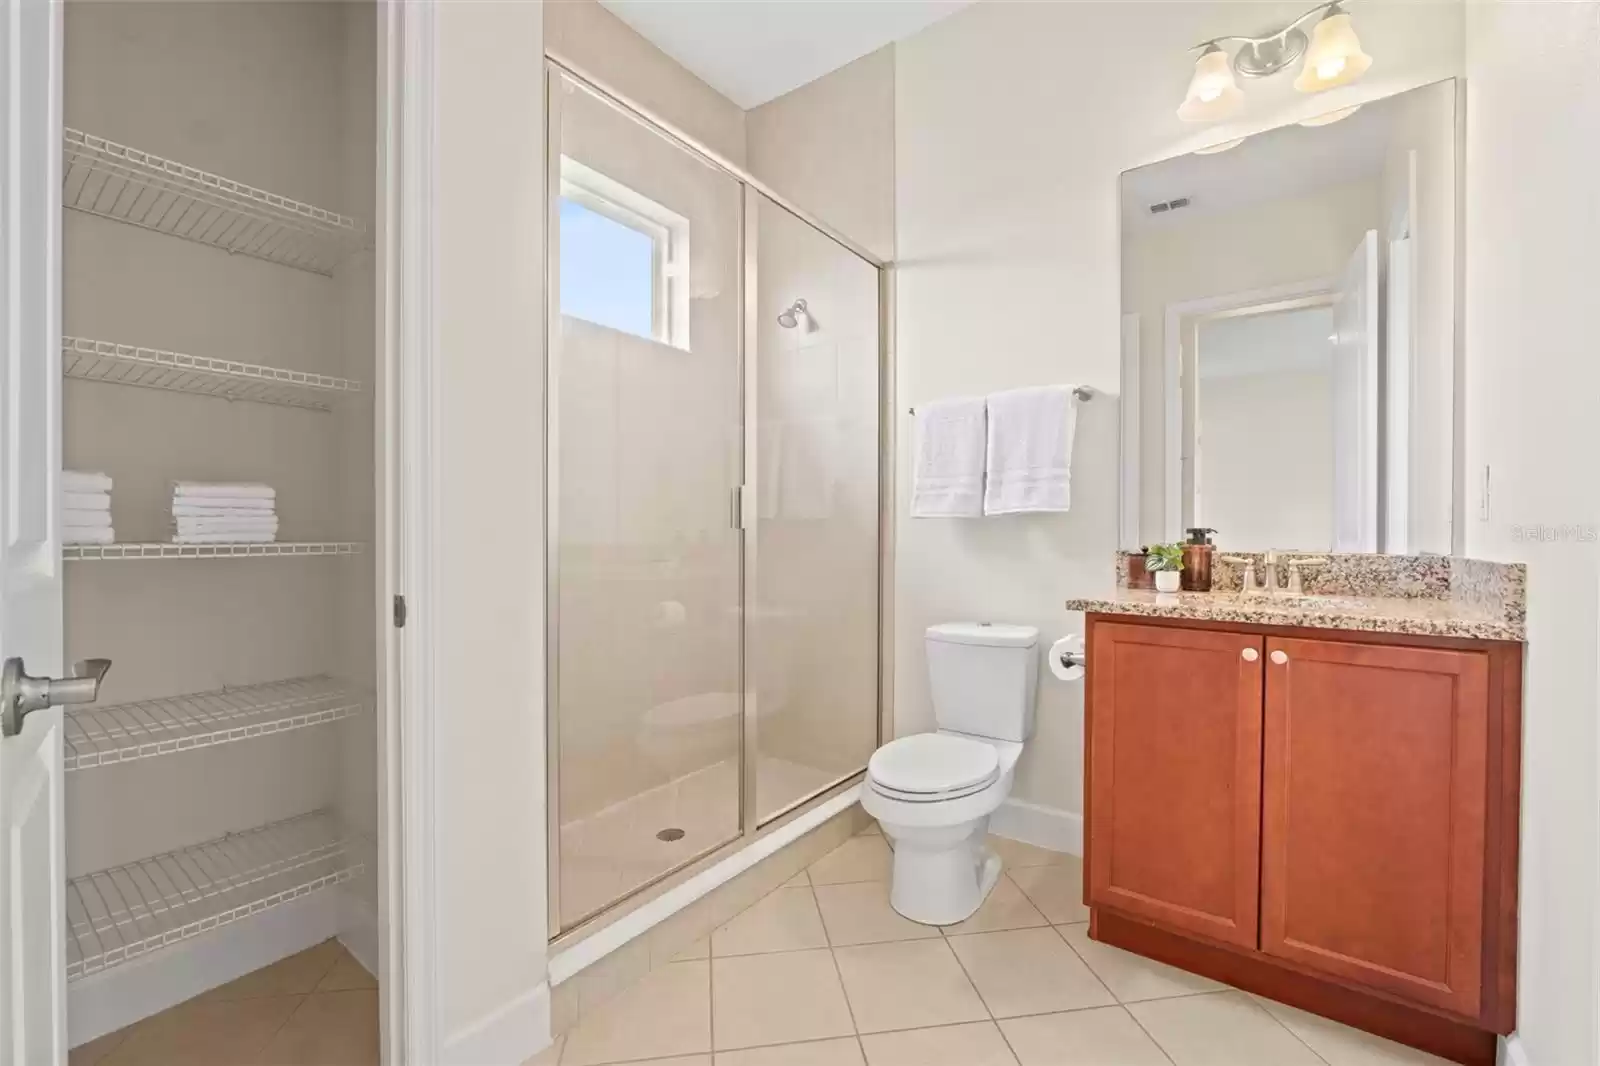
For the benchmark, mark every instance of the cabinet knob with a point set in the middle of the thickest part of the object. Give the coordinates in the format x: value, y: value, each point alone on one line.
x: 1280, y: 657
x: 1249, y: 655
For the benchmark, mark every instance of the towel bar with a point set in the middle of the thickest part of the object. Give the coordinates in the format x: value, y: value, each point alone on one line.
x: 1082, y: 392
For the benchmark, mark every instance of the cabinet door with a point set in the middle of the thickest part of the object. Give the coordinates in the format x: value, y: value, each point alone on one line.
x: 1175, y: 777
x: 1375, y: 780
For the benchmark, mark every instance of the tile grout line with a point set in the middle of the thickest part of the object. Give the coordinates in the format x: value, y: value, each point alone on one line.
x: 1148, y: 1034
x: 1252, y: 1001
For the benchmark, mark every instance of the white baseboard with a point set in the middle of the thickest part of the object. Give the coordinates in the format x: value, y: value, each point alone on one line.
x: 358, y: 930
x: 104, y: 1002
x: 507, y: 1036
x: 1513, y: 1052
x: 1034, y: 823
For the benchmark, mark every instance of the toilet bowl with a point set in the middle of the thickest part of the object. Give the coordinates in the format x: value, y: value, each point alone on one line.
x: 932, y: 793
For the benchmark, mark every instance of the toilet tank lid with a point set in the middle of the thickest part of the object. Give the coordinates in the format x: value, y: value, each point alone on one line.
x: 992, y: 634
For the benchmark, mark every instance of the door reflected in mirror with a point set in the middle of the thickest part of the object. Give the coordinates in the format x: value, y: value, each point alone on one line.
x: 1289, y: 336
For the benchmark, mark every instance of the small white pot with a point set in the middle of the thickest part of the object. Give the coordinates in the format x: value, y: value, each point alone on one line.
x: 1167, y: 580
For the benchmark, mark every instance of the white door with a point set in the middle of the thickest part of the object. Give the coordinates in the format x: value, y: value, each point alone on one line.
x: 33, y: 1029
x: 1355, y: 402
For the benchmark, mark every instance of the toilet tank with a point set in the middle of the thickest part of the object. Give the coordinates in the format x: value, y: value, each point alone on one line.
x: 984, y: 676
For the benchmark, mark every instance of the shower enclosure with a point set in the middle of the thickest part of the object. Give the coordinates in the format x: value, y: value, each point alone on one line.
x: 714, y: 418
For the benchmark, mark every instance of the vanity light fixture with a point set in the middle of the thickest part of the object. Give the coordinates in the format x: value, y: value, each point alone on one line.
x: 1333, y: 57
x: 1213, y: 94
x: 1329, y: 118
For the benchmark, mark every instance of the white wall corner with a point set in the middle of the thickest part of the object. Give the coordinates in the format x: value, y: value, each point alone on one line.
x: 509, y: 1035
x: 1034, y: 823
x: 1513, y: 1052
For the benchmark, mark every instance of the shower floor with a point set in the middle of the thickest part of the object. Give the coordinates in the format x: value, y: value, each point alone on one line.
x: 610, y: 853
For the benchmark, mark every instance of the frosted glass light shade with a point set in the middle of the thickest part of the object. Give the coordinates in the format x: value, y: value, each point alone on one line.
x: 1334, y: 57
x: 1213, y: 94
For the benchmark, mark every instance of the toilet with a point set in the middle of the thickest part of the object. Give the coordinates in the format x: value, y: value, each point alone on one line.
x: 932, y: 793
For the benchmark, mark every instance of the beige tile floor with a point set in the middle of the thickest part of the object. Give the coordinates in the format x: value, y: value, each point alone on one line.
x: 317, y: 1008
x: 822, y: 972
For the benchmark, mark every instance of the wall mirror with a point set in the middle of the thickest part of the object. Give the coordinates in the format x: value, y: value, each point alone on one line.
x: 1289, y: 335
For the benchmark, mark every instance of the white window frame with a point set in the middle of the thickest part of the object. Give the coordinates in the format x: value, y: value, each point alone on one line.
x: 667, y: 230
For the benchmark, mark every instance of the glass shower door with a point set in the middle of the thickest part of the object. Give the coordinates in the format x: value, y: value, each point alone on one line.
x: 645, y: 437
x: 813, y: 602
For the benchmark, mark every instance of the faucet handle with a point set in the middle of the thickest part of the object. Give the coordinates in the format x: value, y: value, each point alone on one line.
x: 1295, y: 565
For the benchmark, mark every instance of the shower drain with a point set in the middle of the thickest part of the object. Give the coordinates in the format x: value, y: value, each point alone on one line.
x: 670, y: 835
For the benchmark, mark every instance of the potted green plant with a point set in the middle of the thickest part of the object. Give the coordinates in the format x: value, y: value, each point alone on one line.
x: 1166, y: 562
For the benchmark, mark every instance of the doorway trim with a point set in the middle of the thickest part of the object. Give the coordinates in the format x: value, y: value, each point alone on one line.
x: 1246, y: 302
x: 408, y: 888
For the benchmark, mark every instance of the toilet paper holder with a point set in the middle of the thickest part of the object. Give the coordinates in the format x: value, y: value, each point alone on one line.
x: 1068, y: 660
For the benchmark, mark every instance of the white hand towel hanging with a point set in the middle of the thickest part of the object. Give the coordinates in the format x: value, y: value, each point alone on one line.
x: 947, y: 480
x: 1030, y: 450
x: 250, y: 490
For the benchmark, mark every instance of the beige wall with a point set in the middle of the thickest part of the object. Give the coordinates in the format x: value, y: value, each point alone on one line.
x: 1533, y: 95
x: 491, y: 889
x: 829, y: 147
x: 1007, y: 160
x: 1216, y: 255
x: 602, y: 45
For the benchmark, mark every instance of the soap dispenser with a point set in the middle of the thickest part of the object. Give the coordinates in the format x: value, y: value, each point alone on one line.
x: 1197, y: 553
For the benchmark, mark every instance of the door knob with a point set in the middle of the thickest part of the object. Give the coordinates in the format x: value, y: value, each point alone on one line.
x: 21, y: 694
x: 1280, y: 657
x: 1249, y: 655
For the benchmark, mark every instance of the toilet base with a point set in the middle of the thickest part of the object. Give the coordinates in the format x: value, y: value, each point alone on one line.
x: 938, y: 880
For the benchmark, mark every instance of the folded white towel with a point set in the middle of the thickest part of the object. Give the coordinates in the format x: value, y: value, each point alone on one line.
x: 102, y: 535
x: 81, y: 481
x: 189, y: 510
x: 85, y: 519
x: 947, y: 480
x: 86, y: 501
x: 224, y: 538
x: 1030, y: 450
x: 225, y: 525
x: 214, y: 506
x: 250, y: 490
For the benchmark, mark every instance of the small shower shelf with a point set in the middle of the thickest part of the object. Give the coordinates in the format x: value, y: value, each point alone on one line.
x: 114, y: 181
x: 120, y: 914
x: 151, y: 368
x: 164, y: 550
x: 103, y: 736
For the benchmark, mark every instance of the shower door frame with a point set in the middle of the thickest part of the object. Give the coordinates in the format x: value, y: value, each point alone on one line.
x: 557, y: 69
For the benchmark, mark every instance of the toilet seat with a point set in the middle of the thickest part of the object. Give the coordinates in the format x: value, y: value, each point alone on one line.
x: 932, y: 767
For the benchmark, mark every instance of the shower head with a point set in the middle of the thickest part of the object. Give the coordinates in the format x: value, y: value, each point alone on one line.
x: 791, y: 317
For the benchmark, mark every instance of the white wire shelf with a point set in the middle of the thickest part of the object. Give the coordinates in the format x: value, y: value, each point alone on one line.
x: 120, y: 914
x: 152, y: 368
x: 111, y: 180
x: 118, y: 733
x: 165, y: 550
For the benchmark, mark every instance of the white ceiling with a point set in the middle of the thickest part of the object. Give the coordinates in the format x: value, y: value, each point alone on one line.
x: 1278, y: 164
x: 754, y: 50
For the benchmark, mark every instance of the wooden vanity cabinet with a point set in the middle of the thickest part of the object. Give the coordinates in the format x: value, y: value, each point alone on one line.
x: 1327, y: 818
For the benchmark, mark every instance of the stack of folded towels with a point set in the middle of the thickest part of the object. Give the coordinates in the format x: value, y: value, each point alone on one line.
x: 205, y: 512
x: 86, y: 508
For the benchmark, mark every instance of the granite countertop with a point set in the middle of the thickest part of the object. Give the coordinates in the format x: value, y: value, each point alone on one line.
x: 1428, y: 595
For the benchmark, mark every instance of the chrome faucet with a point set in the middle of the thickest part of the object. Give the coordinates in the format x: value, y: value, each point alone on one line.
x: 1269, y: 578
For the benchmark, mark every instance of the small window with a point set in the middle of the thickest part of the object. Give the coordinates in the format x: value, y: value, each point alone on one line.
x: 624, y: 258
